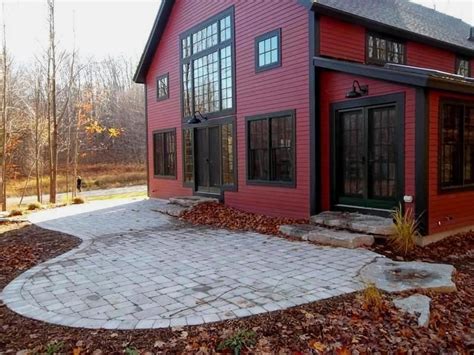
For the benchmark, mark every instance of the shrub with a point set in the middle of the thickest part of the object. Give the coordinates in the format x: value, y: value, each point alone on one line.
x: 34, y: 206
x: 15, y: 213
x: 372, y: 298
x: 241, y: 339
x: 78, y: 200
x: 406, y: 230
x: 54, y: 347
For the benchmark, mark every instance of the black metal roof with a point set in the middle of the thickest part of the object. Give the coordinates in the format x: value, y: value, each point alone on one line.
x: 406, y: 16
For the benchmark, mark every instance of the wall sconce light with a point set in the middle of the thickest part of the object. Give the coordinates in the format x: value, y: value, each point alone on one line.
x: 197, y: 120
x: 357, y: 91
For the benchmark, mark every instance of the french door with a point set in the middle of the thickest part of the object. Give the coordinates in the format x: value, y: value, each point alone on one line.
x: 208, y: 160
x: 367, y: 157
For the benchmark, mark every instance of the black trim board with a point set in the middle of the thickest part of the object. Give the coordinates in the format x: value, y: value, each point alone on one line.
x: 419, y: 79
x: 387, y: 29
x: 421, y: 158
x: 147, y: 141
x: 314, y: 116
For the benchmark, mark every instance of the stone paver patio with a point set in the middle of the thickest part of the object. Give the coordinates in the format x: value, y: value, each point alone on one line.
x: 137, y: 268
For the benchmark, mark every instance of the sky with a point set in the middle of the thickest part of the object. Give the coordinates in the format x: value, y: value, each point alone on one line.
x: 110, y: 27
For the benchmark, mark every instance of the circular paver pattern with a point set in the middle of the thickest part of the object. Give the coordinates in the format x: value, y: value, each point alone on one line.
x: 137, y: 269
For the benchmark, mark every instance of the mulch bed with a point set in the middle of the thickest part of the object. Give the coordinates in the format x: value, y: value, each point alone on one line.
x: 220, y: 216
x: 340, y: 325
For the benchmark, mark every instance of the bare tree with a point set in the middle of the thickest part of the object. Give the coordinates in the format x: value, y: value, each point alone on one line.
x: 4, y: 115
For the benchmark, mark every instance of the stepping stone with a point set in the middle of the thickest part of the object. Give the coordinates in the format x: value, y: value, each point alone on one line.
x: 393, y: 276
x: 321, y: 235
x: 170, y: 209
x: 191, y: 201
x: 418, y: 305
x: 355, y: 222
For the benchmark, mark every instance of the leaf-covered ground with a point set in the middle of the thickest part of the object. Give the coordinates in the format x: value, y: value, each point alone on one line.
x: 341, y: 325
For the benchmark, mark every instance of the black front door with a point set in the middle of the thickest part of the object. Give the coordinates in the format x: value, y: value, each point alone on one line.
x: 208, y: 166
x: 367, y: 157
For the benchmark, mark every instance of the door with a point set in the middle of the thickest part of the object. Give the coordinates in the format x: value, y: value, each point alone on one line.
x: 208, y: 167
x: 367, y: 157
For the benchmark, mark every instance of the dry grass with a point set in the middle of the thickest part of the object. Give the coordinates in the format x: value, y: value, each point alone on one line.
x: 94, y: 177
x: 372, y: 298
x: 406, y: 230
x: 15, y: 213
x: 34, y: 206
x: 78, y: 200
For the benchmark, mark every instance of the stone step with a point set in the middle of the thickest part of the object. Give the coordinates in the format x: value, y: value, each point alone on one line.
x: 356, y: 222
x: 326, y: 236
x: 191, y: 201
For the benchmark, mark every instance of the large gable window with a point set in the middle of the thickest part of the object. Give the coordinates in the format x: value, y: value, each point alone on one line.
x: 457, y: 145
x: 462, y: 66
x: 381, y: 50
x: 271, y: 148
x: 164, y: 153
x: 207, y: 70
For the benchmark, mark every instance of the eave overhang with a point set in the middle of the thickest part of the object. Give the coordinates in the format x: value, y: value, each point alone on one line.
x: 413, y: 76
x: 153, y: 41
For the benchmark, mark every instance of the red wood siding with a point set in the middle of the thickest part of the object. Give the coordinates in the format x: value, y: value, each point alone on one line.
x: 275, y: 90
x: 447, y: 211
x: 345, y: 40
x: 342, y: 40
x: 420, y: 55
x: 341, y: 84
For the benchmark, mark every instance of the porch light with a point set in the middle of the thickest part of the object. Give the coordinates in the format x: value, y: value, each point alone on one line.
x: 196, y: 120
x: 357, y: 91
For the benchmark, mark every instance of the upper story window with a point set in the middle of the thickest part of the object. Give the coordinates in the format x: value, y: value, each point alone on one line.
x: 381, y: 50
x: 457, y: 145
x: 162, y: 87
x: 268, y: 50
x: 462, y: 66
x: 207, y: 57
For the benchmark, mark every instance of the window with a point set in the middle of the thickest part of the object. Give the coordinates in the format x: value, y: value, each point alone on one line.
x: 381, y: 50
x: 227, y: 146
x: 462, y: 67
x: 162, y: 89
x: 207, y: 67
x: 271, y: 151
x: 268, y: 51
x: 188, y: 160
x: 457, y: 145
x: 164, y: 153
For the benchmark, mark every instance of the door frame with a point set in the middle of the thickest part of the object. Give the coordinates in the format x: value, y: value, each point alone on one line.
x: 214, y: 122
x: 391, y: 99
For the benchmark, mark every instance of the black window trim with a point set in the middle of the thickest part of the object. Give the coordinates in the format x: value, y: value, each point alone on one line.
x: 455, y: 188
x: 369, y: 60
x: 458, y: 60
x: 222, y: 113
x: 166, y: 177
x: 278, y: 33
x: 269, y: 116
x: 158, y: 78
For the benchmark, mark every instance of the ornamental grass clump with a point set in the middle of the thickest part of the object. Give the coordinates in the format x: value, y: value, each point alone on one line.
x: 372, y: 299
x: 34, y: 206
x: 406, y: 232
x: 15, y: 213
x: 236, y: 343
x: 78, y: 200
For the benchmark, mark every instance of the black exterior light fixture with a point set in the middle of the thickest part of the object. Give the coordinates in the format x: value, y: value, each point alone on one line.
x: 357, y: 91
x: 197, y: 120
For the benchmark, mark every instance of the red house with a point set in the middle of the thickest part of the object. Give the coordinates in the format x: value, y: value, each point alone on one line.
x: 294, y: 107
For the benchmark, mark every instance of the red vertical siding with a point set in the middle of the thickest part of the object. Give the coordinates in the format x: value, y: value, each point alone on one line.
x: 341, y: 84
x: 421, y: 55
x: 447, y: 211
x: 275, y: 90
x: 342, y: 40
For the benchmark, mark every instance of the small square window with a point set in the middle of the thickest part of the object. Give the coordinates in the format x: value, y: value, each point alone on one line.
x: 268, y: 51
x: 162, y: 87
x: 462, y: 67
